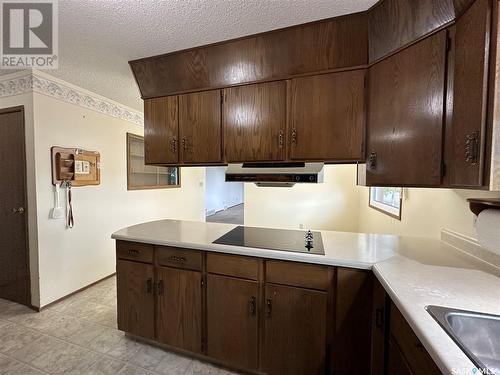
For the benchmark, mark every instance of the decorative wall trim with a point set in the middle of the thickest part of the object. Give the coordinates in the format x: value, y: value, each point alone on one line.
x: 26, y: 82
x: 470, y: 246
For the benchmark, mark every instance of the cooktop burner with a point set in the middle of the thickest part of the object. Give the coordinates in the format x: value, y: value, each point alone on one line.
x: 299, y: 241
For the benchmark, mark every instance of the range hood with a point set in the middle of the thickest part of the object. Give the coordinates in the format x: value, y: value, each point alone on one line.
x: 275, y: 174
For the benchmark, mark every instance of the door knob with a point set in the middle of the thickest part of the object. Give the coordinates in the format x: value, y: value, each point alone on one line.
x: 19, y: 210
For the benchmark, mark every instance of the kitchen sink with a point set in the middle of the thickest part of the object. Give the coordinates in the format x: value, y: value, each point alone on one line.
x: 477, y: 334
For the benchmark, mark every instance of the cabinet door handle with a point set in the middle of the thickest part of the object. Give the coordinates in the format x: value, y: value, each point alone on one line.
x: 184, y: 143
x: 294, y: 137
x: 253, y: 306
x: 149, y: 286
x: 174, y: 144
x: 269, y: 306
x: 472, y: 148
x: 160, y: 287
x: 379, y: 317
x: 372, y: 160
x: 281, y: 139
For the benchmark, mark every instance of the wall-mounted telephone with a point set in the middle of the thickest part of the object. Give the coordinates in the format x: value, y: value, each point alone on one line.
x: 80, y: 167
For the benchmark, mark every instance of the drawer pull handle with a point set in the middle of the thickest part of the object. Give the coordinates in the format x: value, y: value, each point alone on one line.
x: 269, y: 306
x: 149, y: 286
x: 133, y: 253
x: 253, y: 306
x: 175, y: 258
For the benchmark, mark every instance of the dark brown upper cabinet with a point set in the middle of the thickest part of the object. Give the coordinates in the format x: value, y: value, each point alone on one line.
x: 464, y: 149
x: 405, y: 116
x: 327, y: 117
x: 254, y: 122
x: 161, y: 130
x: 200, y: 128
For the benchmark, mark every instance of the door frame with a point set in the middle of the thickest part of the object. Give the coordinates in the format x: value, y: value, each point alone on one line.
x: 20, y: 108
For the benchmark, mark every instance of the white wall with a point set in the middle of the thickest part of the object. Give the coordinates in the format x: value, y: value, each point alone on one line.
x: 219, y: 193
x: 332, y: 205
x: 73, y: 258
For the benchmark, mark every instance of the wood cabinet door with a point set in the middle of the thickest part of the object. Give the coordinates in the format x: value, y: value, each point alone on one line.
x: 232, y: 320
x: 254, y: 119
x: 135, y: 297
x: 200, y: 128
x: 179, y: 308
x: 396, y: 364
x: 405, y: 116
x: 379, y: 324
x: 161, y: 130
x: 464, y: 148
x: 413, y: 351
x: 294, y: 331
x: 327, y: 117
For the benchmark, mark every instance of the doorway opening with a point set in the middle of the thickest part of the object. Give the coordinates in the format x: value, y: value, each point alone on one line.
x: 223, y: 200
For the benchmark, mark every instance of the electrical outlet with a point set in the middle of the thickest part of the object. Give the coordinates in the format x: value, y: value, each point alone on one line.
x: 301, y: 226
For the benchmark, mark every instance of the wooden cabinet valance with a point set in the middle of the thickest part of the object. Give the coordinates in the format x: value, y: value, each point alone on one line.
x: 324, y: 45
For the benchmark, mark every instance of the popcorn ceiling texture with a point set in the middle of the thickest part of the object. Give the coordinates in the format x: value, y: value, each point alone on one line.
x: 97, y: 38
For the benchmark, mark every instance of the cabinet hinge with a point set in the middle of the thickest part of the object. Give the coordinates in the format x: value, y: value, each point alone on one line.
x: 443, y: 169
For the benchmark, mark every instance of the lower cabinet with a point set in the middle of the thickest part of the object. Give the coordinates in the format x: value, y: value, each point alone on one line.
x: 232, y: 320
x: 294, y: 330
x: 396, y: 350
x: 179, y: 308
x: 267, y: 316
x: 134, y: 283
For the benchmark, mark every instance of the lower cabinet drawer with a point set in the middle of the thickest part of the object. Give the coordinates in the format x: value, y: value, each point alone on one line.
x: 139, y: 252
x: 298, y: 274
x: 179, y: 258
x: 233, y: 265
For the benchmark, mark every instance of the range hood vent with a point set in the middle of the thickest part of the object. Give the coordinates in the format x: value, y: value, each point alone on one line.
x: 275, y: 174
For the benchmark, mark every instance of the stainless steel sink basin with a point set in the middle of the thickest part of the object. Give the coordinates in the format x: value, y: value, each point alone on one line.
x: 477, y: 334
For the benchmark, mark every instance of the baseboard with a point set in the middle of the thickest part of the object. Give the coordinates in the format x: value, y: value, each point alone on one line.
x: 470, y: 246
x: 72, y: 293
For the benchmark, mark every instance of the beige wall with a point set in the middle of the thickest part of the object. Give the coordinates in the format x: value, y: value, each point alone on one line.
x: 338, y: 204
x: 332, y: 205
x: 73, y: 258
x: 425, y: 212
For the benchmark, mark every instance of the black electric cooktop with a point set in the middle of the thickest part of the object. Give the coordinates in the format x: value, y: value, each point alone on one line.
x: 274, y: 239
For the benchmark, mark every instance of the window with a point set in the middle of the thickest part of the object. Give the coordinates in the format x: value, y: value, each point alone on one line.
x: 142, y: 176
x: 387, y: 200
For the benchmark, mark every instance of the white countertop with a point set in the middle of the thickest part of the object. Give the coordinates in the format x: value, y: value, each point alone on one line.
x: 415, y: 272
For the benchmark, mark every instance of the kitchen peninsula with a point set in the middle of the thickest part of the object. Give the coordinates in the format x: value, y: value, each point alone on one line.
x: 276, y: 312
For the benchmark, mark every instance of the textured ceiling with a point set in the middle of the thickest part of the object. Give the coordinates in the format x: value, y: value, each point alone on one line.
x: 98, y: 37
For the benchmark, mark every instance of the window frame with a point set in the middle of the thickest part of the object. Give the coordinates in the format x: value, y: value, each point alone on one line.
x: 385, y: 208
x: 131, y: 136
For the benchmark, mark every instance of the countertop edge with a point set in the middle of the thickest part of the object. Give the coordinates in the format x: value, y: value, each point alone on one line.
x: 252, y: 252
